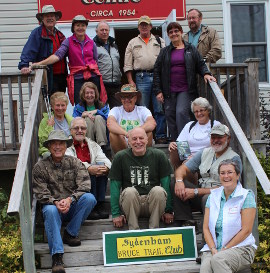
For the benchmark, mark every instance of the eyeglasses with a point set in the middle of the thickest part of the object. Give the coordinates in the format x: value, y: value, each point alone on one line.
x: 224, y: 173
x: 192, y: 18
x: 170, y: 32
x: 128, y: 97
x: 199, y: 111
x: 77, y: 128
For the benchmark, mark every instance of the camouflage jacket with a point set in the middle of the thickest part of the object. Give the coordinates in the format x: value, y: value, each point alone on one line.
x: 55, y: 181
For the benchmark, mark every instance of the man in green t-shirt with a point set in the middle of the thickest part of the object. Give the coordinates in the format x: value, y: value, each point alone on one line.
x: 143, y: 174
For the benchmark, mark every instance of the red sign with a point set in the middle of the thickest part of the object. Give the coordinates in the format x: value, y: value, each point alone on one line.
x: 116, y: 10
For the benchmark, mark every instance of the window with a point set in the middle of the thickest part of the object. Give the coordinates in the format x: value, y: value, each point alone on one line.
x: 248, y: 31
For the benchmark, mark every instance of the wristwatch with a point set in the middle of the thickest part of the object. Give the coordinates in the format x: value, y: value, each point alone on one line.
x: 196, y: 192
x: 73, y: 199
x: 179, y: 180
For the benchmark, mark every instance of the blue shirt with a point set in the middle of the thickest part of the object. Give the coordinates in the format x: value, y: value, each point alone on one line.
x: 193, y: 38
x: 248, y: 203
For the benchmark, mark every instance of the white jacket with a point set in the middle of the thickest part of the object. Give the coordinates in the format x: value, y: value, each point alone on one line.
x: 96, y: 154
x: 232, y: 223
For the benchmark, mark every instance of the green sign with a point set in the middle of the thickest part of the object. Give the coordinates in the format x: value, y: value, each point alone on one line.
x: 149, y: 246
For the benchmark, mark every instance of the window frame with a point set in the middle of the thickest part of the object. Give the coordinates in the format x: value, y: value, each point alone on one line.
x: 228, y: 32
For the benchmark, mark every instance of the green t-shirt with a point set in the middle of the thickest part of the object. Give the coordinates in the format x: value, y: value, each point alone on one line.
x: 141, y: 172
x: 90, y: 108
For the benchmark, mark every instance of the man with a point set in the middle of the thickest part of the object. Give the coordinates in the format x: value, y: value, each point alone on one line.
x: 128, y: 116
x: 42, y: 42
x: 187, y: 193
x: 62, y: 185
x: 108, y: 62
x: 204, y: 38
x: 94, y: 160
x: 143, y: 174
x: 141, y: 54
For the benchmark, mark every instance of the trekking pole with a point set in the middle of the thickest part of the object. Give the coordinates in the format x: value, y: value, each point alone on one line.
x: 44, y: 91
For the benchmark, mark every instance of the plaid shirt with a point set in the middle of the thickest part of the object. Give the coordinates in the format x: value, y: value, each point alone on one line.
x: 55, y: 181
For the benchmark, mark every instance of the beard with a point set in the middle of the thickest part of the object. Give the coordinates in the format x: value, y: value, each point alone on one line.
x: 221, y: 147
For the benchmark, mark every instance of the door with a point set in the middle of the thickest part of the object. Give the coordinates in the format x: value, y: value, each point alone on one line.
x: 171, y: 18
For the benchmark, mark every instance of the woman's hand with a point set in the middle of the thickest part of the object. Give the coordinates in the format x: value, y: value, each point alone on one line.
x: 209, y: 78
x: 172, y: 146
x: 214, y: 251
x: 160, y: 97
x: 50, y: 121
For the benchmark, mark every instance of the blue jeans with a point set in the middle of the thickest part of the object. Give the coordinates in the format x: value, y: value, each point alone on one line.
x: 144, y: 82
x: 98, y: 187
x: 76, y: 215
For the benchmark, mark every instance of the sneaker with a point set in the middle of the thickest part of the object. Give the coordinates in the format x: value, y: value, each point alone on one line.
x: 57, y: 263
x: 71, y: 240
x: 162, y: 140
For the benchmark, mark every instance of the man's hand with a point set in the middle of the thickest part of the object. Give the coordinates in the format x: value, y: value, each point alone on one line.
x: 189, y: 194
x: 98, y: 170
x: 119, y: 221
x: 160, y: 97
x: 63, y: 205
x: 179, y: 190
x: 167, y: 218
x: 25, y: 70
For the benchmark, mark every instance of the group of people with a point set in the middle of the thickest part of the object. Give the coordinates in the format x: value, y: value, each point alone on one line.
x: 70, y: 180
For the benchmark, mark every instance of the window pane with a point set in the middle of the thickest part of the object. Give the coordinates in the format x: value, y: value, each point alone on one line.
x: 241, y: 53
x: 248, y: 23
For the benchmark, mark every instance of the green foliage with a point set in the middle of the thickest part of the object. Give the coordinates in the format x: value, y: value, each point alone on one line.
x: 11, y: 257
x: 262, y: 259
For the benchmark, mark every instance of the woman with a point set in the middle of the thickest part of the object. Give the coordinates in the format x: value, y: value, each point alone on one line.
x: 229, y: 216
x: 94, y: 112
x: 60, y: 120
x: 196, y: 133
x: 82, y: 55
x: 175, y: 78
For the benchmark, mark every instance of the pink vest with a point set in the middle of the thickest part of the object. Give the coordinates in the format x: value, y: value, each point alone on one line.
x: 79, y: 56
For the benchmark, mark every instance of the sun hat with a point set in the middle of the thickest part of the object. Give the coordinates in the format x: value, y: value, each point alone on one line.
x: 128, y: 89
x: 78, y: 18
x: 58, y: 135
x: 144, y: 19
x: 48, y: 9
x: 220, y: 129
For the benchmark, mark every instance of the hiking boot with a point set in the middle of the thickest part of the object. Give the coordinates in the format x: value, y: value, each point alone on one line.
x: 94, y: 215
x: 162, y: 140
x: 57, y: 263
x: 71, y: 240
x: 98, y: 212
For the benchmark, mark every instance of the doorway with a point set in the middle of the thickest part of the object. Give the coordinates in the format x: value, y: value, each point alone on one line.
x: 122, y: 38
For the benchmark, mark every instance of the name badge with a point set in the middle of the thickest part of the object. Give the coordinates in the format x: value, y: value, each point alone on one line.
x: 233, y: 210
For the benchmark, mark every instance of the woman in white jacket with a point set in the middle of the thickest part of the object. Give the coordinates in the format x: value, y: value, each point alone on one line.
x: 229, y: 216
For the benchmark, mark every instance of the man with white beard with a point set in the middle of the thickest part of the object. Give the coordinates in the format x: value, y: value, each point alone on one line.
x: 189, y: 194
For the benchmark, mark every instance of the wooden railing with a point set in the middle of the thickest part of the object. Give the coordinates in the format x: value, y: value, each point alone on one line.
x: 15, y: 93
x: 21, y: 194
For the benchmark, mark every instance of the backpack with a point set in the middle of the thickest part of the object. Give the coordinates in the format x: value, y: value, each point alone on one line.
x: 194, y: 123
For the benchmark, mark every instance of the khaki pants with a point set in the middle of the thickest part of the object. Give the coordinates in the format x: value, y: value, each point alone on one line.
x: 96, y: 130
x: 228, y: 261
x: 151, y: 205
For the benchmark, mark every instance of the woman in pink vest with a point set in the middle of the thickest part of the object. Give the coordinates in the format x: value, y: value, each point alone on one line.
x: 82, y: 55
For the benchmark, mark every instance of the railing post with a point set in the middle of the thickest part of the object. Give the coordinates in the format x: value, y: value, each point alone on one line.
x: 253, y: 98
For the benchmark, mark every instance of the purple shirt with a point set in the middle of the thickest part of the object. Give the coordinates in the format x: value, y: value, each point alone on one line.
x: 178, y: 71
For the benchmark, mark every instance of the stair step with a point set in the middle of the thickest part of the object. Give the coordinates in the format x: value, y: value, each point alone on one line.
x: 173, y: 267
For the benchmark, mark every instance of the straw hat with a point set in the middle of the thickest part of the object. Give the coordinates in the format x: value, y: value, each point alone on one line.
x: 128, y: 89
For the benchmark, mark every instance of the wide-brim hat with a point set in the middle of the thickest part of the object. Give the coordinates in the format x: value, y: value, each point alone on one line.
x: 128, y: 89
x: 220, y: 130
x: 58, y: 135
x: 76, y: 19
x: 49, y: 9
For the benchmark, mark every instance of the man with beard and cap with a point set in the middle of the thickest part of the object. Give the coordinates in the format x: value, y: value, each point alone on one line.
x: 188, y: 194
x: 108, y: 62
x: 42, y: 42
x: 204, y: 38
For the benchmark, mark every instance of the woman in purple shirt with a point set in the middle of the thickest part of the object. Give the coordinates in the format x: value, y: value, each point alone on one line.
x: 175, y: 78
